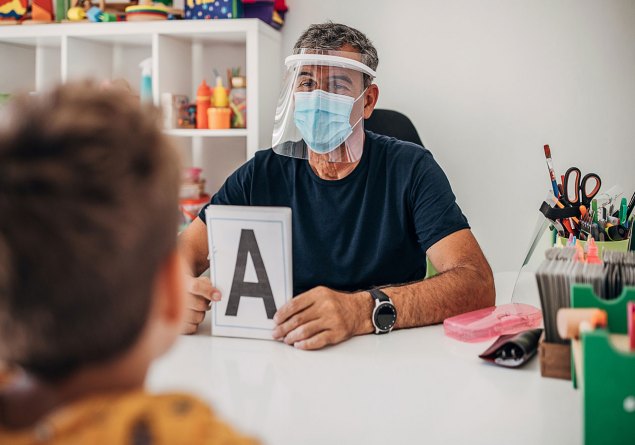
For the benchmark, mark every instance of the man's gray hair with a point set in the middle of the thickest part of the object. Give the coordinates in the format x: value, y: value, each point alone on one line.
x: 333, y: 36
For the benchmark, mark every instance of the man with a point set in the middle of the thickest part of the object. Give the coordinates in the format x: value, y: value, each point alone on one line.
x: 367, y: 209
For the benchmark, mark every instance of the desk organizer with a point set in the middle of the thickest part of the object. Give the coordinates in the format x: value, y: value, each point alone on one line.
x: 607, y: 379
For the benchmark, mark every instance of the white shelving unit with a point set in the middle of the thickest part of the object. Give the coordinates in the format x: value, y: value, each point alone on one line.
x: 183, y: 53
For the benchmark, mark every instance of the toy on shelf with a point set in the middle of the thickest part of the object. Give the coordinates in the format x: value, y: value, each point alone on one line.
x: 146, y: 11
x: 192, y: 195
x: 12, y: 11
x: 41, y: 11
x: 238, y: 100
x: 170, y: 105
x: 186, y: 116
x: 76, y: 14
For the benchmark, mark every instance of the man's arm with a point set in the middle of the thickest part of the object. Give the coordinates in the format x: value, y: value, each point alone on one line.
x: 200, y: 292
x: 323, y: 316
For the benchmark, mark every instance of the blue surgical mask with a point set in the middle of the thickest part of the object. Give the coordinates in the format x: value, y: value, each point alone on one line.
x: 323, y: 119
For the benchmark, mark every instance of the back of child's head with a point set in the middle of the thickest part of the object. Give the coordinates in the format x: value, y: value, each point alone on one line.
x: 88, y: 213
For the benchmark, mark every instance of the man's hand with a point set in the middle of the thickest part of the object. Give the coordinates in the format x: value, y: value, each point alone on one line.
x: 321, y: 317
x: 200, y: 294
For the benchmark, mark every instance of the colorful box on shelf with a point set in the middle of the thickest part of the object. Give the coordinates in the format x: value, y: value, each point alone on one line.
x: 269, y: 11
x: 213, y: 9
x: 607, y: 378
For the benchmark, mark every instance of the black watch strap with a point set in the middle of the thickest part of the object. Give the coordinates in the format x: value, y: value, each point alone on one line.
x: 378, y: 295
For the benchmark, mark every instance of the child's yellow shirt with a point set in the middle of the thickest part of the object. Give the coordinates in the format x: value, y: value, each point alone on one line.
x: 135, y: 418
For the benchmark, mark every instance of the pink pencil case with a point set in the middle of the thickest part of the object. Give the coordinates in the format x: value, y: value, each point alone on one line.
x: 484, y: 324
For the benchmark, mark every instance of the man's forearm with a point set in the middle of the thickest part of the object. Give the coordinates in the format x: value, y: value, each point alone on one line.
x: 431, y: 301
x: 193, y: 248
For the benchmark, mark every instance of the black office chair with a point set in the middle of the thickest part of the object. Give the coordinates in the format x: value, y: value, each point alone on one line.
x: 394, y: 124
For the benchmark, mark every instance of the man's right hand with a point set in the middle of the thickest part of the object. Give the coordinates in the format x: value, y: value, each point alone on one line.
x: 200, y: 294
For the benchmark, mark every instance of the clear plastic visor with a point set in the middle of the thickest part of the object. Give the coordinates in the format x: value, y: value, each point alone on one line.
x: 321, y: 106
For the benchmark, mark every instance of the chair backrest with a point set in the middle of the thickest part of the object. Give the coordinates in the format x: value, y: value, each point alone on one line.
x: 392, y: 123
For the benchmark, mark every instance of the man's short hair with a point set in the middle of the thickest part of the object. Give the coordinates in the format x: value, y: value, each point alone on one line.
x: 332, y: 36
x: 88, y: 213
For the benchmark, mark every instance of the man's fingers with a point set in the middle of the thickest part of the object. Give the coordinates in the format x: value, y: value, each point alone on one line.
x: 194, y: 317
x: 297, y: 304
x: 197, y: 303
x: 318, y: 341
x: 201, y: 286
x: 294, y: 322
x: 189, y: 328
x: 304, y: 332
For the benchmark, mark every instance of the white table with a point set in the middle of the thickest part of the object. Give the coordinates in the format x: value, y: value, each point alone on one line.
x: 411, y: 386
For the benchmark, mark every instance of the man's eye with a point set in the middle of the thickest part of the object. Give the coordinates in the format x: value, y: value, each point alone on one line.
x: 307, y: 83
x: 339, y: 87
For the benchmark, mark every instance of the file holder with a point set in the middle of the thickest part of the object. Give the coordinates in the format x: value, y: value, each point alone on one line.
x: 607, y: 377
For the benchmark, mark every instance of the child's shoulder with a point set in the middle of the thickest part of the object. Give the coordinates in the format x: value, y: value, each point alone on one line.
x: 180, y: 418
x: 136, y: 418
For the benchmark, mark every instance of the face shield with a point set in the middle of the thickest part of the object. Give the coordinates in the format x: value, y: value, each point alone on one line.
x: 320, y: 111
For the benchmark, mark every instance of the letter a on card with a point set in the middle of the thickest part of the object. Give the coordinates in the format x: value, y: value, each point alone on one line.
x: 251, y: 265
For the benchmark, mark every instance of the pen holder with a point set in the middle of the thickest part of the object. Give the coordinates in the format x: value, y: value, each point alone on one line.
x: 619, y: 246
x: 607, y: 370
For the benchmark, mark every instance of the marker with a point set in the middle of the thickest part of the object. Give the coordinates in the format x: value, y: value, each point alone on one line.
x: 552, y: 174
x: 623, y: 211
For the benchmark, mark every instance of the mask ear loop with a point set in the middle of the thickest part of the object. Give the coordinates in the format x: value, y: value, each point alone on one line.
x: 363, y: 93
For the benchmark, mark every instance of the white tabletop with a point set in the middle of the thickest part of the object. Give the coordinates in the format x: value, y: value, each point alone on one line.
x: 411, y: 386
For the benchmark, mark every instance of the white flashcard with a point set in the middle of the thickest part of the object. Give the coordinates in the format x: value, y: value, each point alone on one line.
x: 251, y: 265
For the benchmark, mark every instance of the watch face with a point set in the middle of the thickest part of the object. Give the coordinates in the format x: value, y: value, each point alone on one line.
x: 385, y: 316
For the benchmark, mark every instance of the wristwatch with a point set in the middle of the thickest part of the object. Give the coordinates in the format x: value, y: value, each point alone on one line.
x: 384, y: 314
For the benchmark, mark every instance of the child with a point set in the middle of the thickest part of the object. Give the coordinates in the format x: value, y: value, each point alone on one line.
x: 90, y: 280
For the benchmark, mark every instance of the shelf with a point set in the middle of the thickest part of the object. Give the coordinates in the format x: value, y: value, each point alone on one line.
x: 209, y: 30
x: 186, y: 132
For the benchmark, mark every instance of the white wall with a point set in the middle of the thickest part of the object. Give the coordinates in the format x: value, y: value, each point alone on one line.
x: 488, y: 83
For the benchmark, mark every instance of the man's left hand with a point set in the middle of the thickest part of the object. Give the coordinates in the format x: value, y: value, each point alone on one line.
x: 322, y: 317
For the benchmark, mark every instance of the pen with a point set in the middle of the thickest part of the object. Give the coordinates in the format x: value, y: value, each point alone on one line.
x: 623, y: 211
x: 552, y: 174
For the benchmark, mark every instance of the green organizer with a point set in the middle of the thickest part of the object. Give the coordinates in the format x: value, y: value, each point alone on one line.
x: 609, y: 375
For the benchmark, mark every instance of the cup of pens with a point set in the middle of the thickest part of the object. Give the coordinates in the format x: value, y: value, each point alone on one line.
x: 618, y: 246
x: 578, y: 212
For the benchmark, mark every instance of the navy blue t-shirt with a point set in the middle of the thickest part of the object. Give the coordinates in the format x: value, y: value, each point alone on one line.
x: 371, y: 228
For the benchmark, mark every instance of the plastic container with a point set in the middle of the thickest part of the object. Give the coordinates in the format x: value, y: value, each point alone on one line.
x: 483, y: 324
x: 203, y: 102
x: 145, y: 89
x: 220, y: 94
x: 620, y: 246
x: 190, y: 209
x: 219, y: 118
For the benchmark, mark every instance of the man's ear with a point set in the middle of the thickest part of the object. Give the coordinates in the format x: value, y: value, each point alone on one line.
x: 370, y: 100
x: 171, y: 288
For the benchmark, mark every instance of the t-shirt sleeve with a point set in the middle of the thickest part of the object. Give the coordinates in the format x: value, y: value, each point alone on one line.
x: 435, y: 211
x: 236, y: 190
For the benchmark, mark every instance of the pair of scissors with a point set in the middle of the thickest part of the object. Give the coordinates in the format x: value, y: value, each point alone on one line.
x: 581, y: 194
